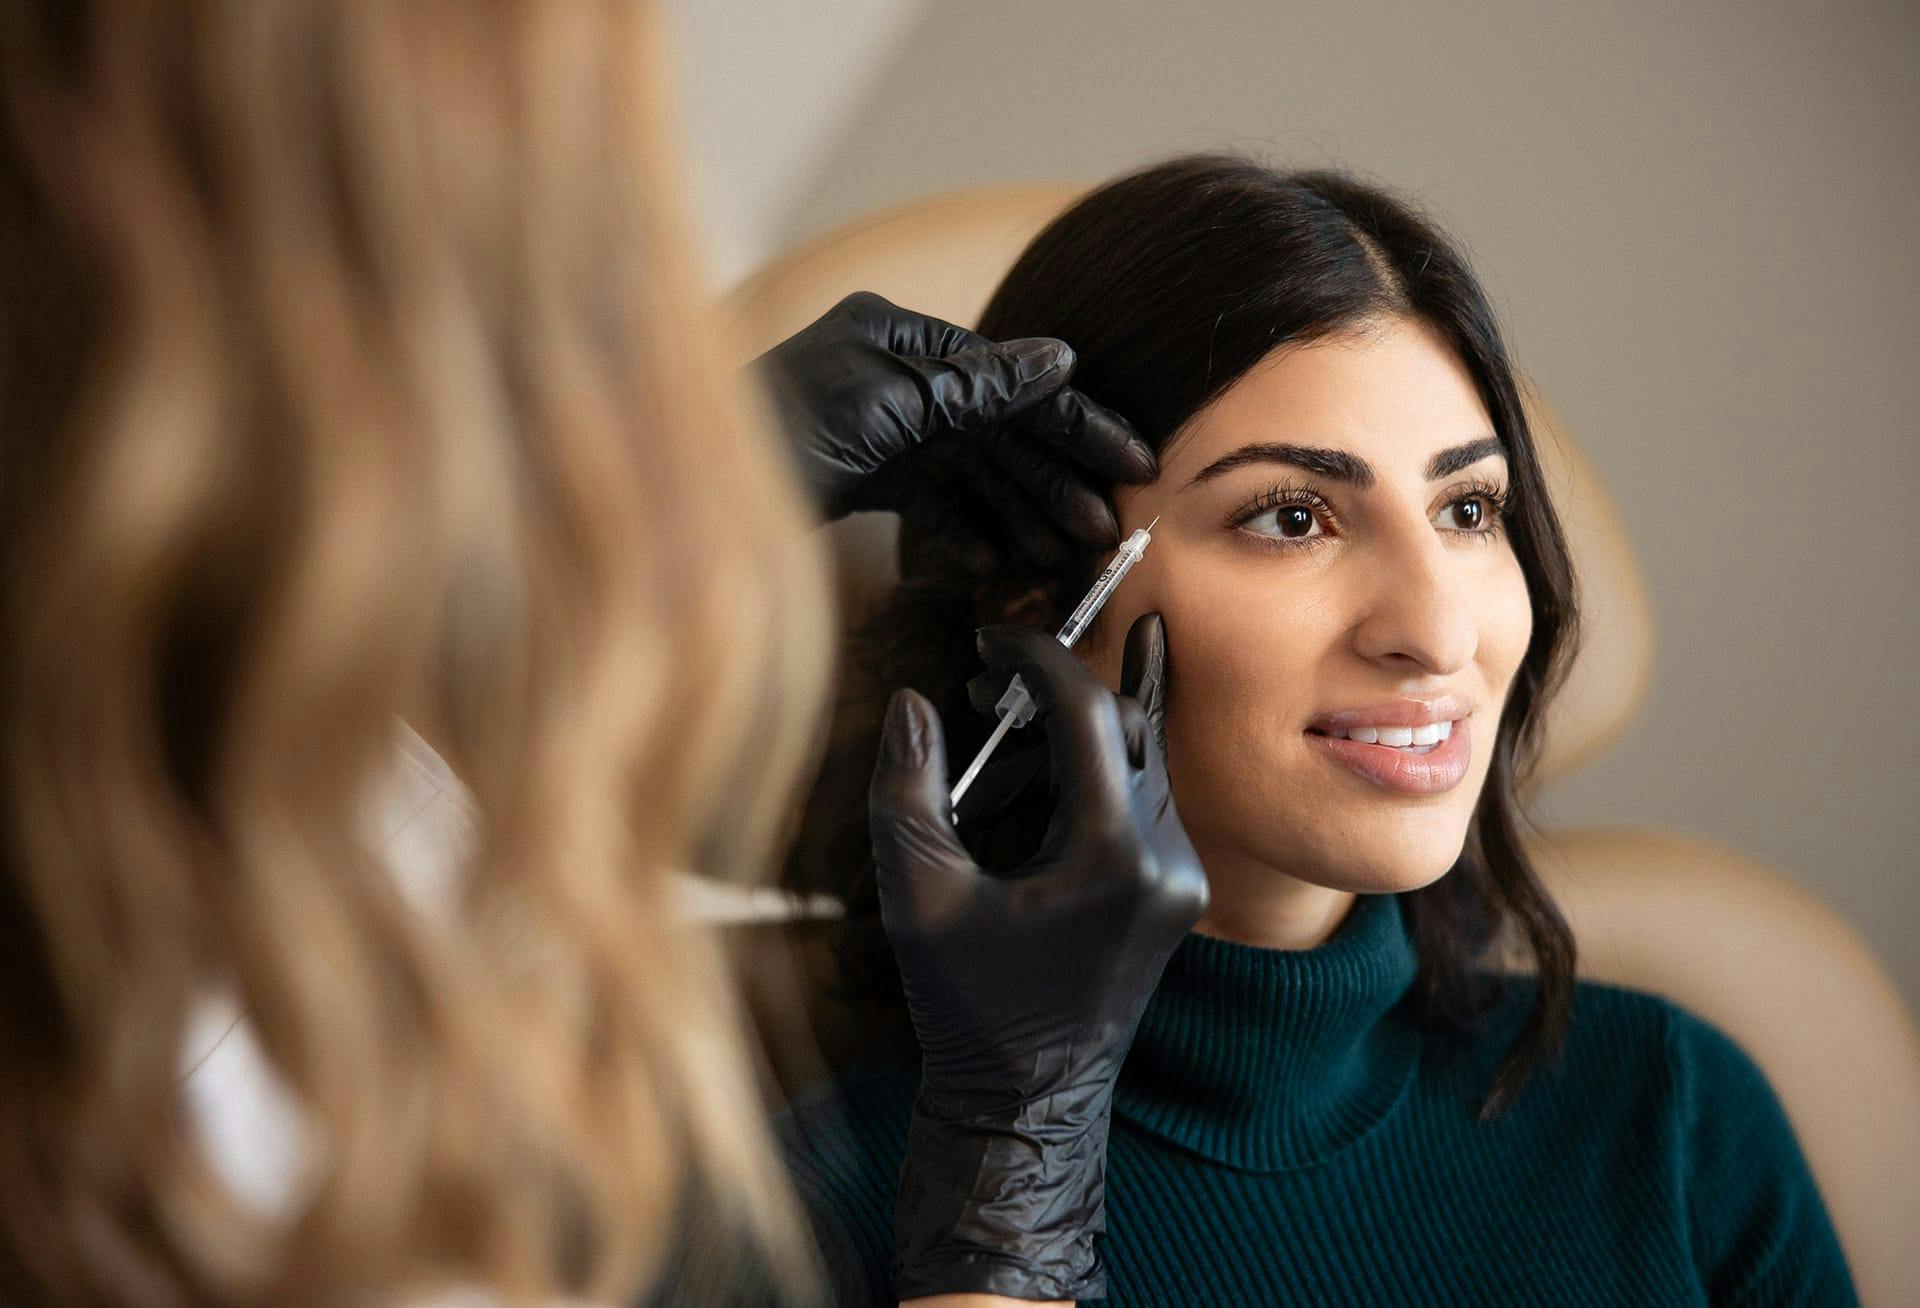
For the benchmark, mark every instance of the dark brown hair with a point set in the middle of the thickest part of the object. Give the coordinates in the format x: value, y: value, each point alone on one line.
x: 1171, y: 283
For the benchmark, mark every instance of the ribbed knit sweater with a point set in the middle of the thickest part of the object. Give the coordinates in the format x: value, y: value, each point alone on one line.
x: 1282, y: 1134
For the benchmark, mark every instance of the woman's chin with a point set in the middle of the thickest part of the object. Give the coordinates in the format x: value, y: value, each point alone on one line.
x: 1373, y: 879
x: 1382, y: 860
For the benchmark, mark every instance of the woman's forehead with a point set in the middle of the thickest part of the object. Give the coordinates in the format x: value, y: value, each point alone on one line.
x: 1393, y: 396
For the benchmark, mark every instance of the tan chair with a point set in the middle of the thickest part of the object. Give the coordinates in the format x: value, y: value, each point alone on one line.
x: 1717, y: 932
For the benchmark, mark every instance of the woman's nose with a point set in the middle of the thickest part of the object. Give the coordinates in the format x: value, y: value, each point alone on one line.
x: 1418, y: 605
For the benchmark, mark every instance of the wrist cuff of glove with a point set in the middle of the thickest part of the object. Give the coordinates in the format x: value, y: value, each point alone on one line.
x: 975, y: 1271
x: 1003, y: 1206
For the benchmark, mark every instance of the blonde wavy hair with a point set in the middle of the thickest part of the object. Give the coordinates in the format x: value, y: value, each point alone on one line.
x: 353, y: 363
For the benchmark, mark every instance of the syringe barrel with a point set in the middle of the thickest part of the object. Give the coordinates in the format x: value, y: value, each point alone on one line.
x: 1103, y: 587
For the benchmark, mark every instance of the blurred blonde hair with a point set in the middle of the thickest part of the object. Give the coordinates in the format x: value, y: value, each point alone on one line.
x: 351, y: 358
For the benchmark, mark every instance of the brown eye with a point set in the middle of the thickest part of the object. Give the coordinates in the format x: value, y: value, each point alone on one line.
x: 1481, y: 512
x: 1284, y: 524
x: 1285, y: 517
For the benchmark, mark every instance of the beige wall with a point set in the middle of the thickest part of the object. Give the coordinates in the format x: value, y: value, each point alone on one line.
x: 768, y: 88
x: 1697, y: 223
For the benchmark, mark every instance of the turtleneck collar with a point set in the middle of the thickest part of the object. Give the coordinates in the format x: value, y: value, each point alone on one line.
x: 1270, y: 1059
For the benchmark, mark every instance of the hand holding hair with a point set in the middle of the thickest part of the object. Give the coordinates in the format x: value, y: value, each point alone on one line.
x: 1025, y: 990
x: 984, y: 441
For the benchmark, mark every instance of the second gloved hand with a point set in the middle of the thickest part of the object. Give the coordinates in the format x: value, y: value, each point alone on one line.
x: 1025, y: 990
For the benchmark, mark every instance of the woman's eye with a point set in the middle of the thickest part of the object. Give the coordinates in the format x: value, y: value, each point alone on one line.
x: 1285, y: 522
x: 1468, y: 521
x: 1479, y: 513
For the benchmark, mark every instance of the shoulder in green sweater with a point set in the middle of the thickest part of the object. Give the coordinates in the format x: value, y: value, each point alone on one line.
x: 1281, y: 1135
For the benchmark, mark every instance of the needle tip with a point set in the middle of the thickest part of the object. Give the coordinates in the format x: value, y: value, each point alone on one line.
x: 1151, y: 525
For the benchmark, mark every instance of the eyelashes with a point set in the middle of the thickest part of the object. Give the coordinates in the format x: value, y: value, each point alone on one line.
x: 1498, y: 501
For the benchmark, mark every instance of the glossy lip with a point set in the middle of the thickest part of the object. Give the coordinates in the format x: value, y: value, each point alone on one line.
x: 1412, y: 774
x: 1396, y: 713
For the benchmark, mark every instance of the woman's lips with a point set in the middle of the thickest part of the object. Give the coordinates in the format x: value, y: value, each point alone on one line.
x: 1438, y: 770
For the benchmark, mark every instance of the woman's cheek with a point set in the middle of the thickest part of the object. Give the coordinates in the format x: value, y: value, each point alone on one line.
x: 1516, y: 620
x: 1221, y: 706
x: 1193, y: 702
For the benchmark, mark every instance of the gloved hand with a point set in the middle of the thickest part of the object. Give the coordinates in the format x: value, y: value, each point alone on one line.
x: 1020, y: 773
x: 984, y: 442
x: 1025, y: 990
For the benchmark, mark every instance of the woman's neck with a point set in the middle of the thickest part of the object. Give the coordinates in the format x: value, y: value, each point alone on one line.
x: 1250, y: 903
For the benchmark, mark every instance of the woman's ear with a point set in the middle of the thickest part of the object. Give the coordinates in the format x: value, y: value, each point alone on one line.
x: 1023, y: 604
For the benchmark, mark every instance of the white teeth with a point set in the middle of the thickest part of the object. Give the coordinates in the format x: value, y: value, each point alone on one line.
x: 1400, y: 737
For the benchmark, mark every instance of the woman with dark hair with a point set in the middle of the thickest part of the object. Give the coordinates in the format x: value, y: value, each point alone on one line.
x: 1366, y: 602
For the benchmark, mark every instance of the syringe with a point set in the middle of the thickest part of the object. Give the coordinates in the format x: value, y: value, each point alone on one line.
x: 1015, y: 706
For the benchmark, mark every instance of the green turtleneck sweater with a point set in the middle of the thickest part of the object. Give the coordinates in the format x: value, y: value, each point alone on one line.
x: 1281, y: 1135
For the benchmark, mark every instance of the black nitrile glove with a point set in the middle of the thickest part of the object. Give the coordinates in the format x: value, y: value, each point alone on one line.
x: 984, y: 442
x: 1020, y: 771
x: 1025, y: 990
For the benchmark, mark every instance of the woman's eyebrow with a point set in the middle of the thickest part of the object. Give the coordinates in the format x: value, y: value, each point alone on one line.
x: 1339, y: 465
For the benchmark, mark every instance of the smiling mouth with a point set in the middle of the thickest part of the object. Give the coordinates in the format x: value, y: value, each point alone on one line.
x: 1425, y: 769
x: 1408, y: 748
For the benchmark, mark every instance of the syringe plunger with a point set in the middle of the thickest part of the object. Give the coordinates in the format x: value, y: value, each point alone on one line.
x: 1015, y: 705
